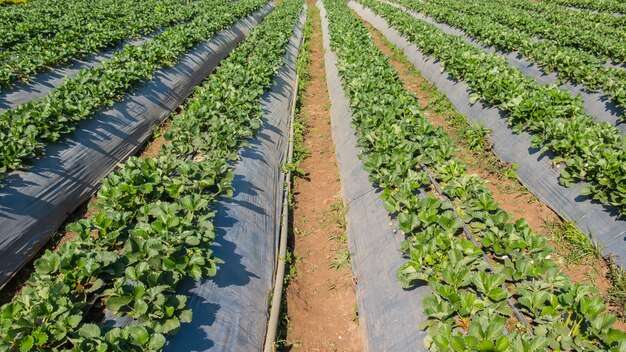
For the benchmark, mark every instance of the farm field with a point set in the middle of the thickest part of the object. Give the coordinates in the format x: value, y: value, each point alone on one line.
x: 316, y: 175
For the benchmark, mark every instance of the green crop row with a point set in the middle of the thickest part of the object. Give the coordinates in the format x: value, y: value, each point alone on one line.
x: 594, y: 152
x: 25, y: 130
x: 83, y: 32
x: 476, y: 285
x: 572, y: 64
x: 153, y: 222
x: 560, y: 15
x: 604, y: 46
x: 597, y: 5
x: 44, y: 18
x: 596, y: 23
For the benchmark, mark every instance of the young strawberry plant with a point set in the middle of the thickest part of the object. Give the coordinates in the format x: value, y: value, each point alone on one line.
x: 153, y: 224
x: 484, y: 268
x: 594, y: 152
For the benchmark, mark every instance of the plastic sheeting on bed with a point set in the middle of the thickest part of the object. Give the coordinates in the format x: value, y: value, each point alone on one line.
x: 230, y: 310
x: 34, y: 203
x: 389, y: 315
x: 535, y: 169
x: 42, y: 83
x: 597, y: 104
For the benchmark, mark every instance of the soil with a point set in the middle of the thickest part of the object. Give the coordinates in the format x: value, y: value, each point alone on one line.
x: 509, y: 193
x: 152, y: 148
x: 321, y: 300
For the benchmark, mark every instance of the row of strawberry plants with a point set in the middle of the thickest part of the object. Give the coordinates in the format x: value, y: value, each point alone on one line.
x: 102, y: 28
x: 45, y: 18
x: 599, y: 23
x: 558, y: 14
x: 572, y: 64
x: 153, y: 224
x: 25, y: 130
x: 612, y: 6
x: 594, y: 152
x: 601, y: 45
x: 468, y: 308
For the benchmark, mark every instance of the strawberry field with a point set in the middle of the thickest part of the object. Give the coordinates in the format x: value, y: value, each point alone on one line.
x: 151, y: 152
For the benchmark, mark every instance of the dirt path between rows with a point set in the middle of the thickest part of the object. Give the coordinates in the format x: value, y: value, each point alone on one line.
x: 507, y: 191
x: 321, y: 299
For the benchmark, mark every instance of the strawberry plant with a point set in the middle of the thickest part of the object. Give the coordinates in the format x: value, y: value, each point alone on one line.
x: 153, y: 224
x: 483, y: 268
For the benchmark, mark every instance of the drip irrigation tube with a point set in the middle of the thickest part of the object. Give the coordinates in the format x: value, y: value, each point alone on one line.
x: 279, y: 279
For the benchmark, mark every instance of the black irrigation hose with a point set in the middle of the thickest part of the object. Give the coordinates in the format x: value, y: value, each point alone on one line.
x: 279, y: 280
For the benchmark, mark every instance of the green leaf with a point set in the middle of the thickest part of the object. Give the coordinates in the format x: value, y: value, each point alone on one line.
x: 74, y: 320
x: 502, y: 344
x: 157, y: 341
x: 113, y: 336
x: 498, y: 294
x: 131, y: 273
x: 192, y: 240
x: 48, y: 263
x: 195, y: 272
x: 170, y: 324
x: 585, y: 191
x: 27, y: 343
x: 186, y: 316
x: 486, y: 345
x: 115, y: 303
x: 138, y: 335
x: 89, y: 331
x: 141, y: 307
x: 40, y: 338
